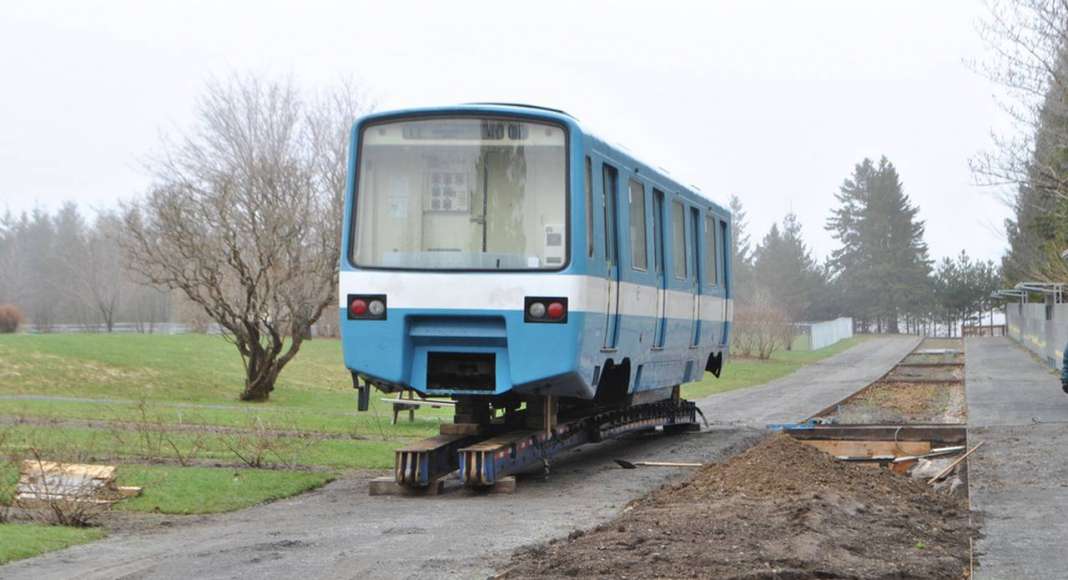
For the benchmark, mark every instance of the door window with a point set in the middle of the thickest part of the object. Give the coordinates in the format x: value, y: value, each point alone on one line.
x: 710, y: 251
x: 678, y: 239
x: 658, y: 233
x: 609, y: 175
x: 639, y: 252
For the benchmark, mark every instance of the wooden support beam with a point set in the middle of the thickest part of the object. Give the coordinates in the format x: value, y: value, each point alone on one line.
x: 840, y: 448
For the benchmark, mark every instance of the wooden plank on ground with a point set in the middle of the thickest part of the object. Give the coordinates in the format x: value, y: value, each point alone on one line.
x: 846, y: 448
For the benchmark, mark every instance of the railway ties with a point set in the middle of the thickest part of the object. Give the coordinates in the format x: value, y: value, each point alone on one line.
x: 483, y: 463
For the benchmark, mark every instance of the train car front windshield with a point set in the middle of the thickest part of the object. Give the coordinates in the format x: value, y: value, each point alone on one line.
x: 462, y: 194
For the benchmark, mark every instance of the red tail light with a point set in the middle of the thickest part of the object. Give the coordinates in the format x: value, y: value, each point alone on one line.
x: 358, y: 308
x: 556, y: 311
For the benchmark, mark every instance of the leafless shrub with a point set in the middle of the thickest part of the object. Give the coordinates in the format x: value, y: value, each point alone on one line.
x: 259, y: 446
x: 760, y: 327
x: 10, y: 318
x: 154, y: 438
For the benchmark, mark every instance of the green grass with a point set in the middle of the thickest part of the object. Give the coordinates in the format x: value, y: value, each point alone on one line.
x: 197, y: 490
x: 747, y: 372
x: 193, y: 379
x: 204, y: 490
x: 84, y: 444
x: 9, y: 478
x: 19, y: 541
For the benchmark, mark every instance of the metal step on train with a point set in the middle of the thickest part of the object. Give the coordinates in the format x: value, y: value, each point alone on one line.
x: 483, y: 461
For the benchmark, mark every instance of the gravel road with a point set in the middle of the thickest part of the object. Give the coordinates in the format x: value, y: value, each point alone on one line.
x: 341, y: 532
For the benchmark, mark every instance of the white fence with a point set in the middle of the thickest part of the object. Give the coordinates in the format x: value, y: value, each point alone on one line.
x: 817, y: 335
x: 1040, y: 328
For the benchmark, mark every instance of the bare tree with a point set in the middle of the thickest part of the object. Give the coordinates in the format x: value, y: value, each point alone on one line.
x: 761, y: 326
x: 97, y: 270
x: 244, y: 218
x: 1028, y: 42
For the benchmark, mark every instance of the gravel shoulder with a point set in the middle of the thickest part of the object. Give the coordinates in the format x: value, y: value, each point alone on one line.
x: 1018, y: 477
x: 341, y: 532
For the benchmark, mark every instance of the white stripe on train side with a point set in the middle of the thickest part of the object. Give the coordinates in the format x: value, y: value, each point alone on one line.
x: 469, y: 291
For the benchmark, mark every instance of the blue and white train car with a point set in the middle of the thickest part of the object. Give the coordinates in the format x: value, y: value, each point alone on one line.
x: 500, y: 254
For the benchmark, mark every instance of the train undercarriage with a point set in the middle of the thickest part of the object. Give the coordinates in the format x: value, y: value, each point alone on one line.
x: 492, y: 438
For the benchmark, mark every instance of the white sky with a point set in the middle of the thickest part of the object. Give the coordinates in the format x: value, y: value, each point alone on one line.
x: 772, y: 101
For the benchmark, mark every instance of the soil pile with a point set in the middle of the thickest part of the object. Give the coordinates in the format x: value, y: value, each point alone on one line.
x: 780, y: 510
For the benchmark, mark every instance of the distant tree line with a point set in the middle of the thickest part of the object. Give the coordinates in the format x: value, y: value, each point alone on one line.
x: 881, y: 274
x: 65, y: 268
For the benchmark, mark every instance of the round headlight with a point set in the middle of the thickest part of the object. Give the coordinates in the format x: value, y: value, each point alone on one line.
x: 536, y: 310
x: 376, y: 308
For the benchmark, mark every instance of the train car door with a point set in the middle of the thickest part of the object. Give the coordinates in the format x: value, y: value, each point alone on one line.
x: 661, y: 271
x: 611, y: 254
x: 697, y: 282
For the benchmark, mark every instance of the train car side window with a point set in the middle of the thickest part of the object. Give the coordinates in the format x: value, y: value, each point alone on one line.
x: 589, y: 207
x: 610, y: 193
x: 678, y: 239
x: 658, y: 224
x: 711, y: 274
x: 639, y: 252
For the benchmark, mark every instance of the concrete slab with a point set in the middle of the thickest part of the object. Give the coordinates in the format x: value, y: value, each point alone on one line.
x: 1007, y: 385
x: 1018, y: 478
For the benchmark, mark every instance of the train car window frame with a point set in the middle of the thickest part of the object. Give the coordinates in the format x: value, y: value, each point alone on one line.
x: 711, y: 257
x: 589, y: 208
x: 639, y: 238
x: 353, y: 193
x: 679, y: 252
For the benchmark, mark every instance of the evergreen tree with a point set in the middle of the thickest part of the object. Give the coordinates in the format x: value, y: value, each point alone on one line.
x: 784, y: 267
x: 882, y: 265
x: 742, y: 252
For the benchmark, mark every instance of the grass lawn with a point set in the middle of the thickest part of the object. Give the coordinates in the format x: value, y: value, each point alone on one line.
x: 747, y: 372
x: 91, y: 445
x: 19, y: 541
x: 195, y: 490
x: 204, y: 490
x: 190, y: 379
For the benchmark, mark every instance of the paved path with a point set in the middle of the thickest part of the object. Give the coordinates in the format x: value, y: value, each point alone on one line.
x: 1018, y: 477
x: 341, y: 532
x: 812, y: 388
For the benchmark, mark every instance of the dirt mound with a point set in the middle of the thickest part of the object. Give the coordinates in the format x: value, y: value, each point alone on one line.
x: 780, y: 510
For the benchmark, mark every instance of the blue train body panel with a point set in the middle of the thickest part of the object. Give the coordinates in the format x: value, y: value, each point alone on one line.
x: 664, y: 321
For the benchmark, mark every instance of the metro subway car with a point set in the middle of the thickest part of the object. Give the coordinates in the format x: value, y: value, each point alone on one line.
x: 500, y: 255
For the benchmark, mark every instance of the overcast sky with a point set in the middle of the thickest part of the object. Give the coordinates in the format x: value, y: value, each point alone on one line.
x: 772, y: 101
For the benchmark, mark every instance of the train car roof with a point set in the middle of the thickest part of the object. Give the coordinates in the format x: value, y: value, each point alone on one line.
x: 619, y: 152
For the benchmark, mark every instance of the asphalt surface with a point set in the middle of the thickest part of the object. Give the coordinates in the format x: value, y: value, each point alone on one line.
x: 812, y: 388
x: 340, y: 531
x: 1018, y: 478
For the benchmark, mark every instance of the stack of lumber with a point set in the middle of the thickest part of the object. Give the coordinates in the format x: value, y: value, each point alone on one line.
x: 44, y: 482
